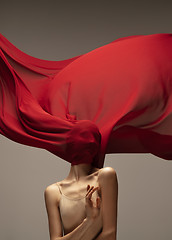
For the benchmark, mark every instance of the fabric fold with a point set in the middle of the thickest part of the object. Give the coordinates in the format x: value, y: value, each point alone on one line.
x: 123, y: 87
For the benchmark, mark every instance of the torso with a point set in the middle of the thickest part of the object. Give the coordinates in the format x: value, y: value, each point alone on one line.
x: 71, y: 200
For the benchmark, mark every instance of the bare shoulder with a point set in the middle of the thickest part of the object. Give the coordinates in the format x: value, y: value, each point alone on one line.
x: 107, y: 174
x: 52, y: 193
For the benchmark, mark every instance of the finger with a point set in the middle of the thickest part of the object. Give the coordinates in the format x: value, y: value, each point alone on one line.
x: 89, y: 190
x: 88, y: 186
x: 88, y: 200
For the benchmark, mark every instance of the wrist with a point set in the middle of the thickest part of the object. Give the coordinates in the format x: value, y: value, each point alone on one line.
x: 89, y: 220
x: 95, y: 224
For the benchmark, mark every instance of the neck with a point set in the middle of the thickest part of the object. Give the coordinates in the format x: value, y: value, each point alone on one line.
x: 77, y: 172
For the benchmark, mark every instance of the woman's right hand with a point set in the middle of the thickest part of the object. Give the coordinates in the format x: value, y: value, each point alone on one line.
x: 92, y: 211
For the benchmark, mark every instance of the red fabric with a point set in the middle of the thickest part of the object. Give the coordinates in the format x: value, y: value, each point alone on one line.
x: 124, y: 88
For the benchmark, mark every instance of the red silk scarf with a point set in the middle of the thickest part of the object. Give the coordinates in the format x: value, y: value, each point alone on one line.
x: 124, y: 88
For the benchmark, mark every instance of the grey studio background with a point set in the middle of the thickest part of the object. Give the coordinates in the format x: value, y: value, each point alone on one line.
x: 57, y: 30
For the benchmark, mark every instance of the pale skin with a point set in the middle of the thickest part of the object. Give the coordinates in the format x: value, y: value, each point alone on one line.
x: 100, y: 222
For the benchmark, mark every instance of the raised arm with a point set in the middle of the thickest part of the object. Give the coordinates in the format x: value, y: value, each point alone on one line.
x: 87, y: 230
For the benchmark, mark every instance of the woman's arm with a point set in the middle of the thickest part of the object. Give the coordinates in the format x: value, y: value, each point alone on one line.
x: 87, y: 230
x: 51, y: 201
x: 109, y: 194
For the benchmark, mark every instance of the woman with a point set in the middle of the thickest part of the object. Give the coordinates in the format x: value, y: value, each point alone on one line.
x: 123, y: 87
x: 84, y: 204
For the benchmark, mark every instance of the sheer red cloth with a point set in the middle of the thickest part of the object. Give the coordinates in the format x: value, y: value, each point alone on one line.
x: 123, y: 89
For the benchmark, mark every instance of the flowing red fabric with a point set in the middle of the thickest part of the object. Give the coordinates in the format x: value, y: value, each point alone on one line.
x: 124, y: 88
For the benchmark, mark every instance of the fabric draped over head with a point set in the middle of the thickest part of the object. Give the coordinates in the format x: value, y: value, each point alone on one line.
x: 83, y: 143
x: 122, y: 90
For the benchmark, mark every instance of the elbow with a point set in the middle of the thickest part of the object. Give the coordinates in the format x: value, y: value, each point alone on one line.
x: 109, y: 235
